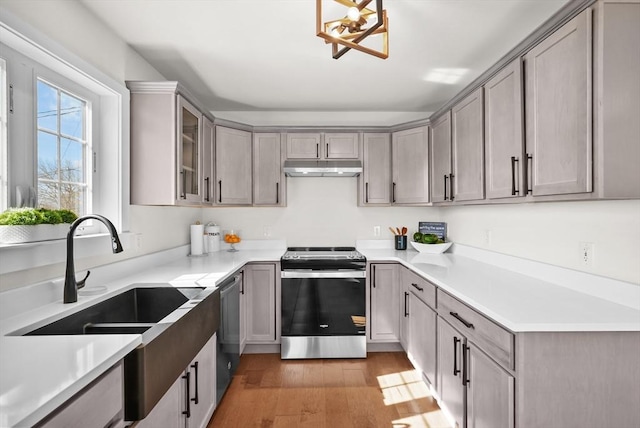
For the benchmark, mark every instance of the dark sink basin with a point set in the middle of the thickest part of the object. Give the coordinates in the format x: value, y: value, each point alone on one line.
x: 133, y: 311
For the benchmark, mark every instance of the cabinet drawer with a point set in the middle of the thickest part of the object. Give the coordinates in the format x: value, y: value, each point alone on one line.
x: 493, y: 339
x: 422, y: 288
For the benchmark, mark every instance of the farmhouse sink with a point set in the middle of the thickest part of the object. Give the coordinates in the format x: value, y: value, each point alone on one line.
x: 174, y: 323
x: 131, y: 312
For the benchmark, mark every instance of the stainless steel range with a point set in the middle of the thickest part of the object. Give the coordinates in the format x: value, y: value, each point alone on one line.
x: 323, y: 303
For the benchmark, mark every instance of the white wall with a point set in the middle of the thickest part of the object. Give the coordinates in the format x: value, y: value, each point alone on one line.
x: 552, y: 233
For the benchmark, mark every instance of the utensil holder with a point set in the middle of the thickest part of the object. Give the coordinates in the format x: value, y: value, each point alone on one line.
x: 401, y: 242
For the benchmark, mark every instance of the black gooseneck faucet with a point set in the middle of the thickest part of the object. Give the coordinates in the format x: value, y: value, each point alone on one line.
x: 71, y: 286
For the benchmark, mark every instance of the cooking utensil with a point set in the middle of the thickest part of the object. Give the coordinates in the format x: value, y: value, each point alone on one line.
x: 404, y: 230
x: 398, y: 229
x: 392, y: 231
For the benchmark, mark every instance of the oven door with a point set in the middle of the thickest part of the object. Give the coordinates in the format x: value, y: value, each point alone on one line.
x: 323, y: 314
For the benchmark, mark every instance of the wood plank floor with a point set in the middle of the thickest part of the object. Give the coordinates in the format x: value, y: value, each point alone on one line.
x: 382, y: 390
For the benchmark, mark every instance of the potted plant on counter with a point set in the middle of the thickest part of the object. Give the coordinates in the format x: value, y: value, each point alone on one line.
x: 19, y: 225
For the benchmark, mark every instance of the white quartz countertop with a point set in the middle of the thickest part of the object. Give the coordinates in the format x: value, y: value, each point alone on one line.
x: 38, y: 373
x: 519, y: 302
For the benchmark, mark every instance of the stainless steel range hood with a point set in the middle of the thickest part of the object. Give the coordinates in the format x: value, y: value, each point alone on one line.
x: 322, y: 168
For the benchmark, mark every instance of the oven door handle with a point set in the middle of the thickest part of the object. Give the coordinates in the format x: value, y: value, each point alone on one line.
x: 322, y: 274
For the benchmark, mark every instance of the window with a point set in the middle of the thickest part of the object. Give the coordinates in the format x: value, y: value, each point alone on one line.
x: 62, y: 149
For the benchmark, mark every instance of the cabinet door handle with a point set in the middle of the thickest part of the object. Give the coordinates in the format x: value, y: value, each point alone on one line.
x: 445, y: 187
x: 317, y: 151
x: 462, y: 320
x: 451, y: 186
x: 10, y: 98
x: 207, y: 180
x: 393, y: 198
x: 417, y: 286
x: 277, y: 193
x: 195, y: 368
x: 366, y: 193
x: 187, y: 412
x: 238, y: 278
x: 373, y: 276
x: 406, y: 304
x: 529, y: 174
x: 220, y: 191
x: 327, y: 153
x: 455, y: 356
x: 465, y: 365
x: 183, y: 194
x: 514, y: 191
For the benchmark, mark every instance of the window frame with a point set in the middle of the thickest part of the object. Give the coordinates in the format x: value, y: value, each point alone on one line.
x: 112, y: 157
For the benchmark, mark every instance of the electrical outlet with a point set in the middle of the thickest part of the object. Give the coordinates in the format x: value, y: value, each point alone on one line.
x: 586, y: 253
x: 376, y: 230
x: 487, y: 237
x: 266, y: 231
x: 138, y: 241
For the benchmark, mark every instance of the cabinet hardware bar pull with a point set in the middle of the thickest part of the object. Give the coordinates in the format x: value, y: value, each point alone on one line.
x: 327, y: 154
x: 277, y: 193
x: 317, y: 151
x: 373, y: 276
x: 366, y: 193
x: 465, y: 366
x: 195, y: 367
x: 219, y: 191
x: 455, y: 356
x: 451, y: 186
x: 529, y: 174
x: 406, y: 306
x: 445, y: 186
x: 462, y: 320
x: 208, y: 198
x: 514, y: 191
x: 393, y: 196
x: 183, y: 194
x: 187, y: 377
x: 238, y: 278
x: 418, y: 287
x: 10, y: 98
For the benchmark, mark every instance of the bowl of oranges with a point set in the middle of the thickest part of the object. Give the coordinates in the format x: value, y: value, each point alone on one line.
x: 231, y: 237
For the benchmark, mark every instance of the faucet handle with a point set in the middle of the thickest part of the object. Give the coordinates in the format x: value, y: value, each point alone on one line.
x: 83, y: 280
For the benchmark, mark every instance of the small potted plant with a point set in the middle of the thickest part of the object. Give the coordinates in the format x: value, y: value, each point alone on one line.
x: 34, y: 224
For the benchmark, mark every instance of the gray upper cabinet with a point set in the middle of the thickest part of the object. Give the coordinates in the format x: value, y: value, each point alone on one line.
x: 268, y: 179
x: 303, y: 145
x: 342, y: 146
x: 233, y: 166
x: 208, y: 139
x: 467, y: 127
x: 375, y: 181
x: 558, y: 110
x: 504, y: 133
x: 440, y: 154
x: 617, y: 99
x: 166, y: 146
x: 410, y: 166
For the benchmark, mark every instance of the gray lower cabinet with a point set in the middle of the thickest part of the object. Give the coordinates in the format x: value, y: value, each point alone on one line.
x: 440, y: 158
x: 104, y: 398
x: 384, y: 298
x: 474, y: 389
x: 410, y: 166
x: 233, y: 166
x: 268, y: 179
x: 558, y: 93
x: 467, y: 183
x: 504, y: 133
x: 422, y: 337
x: 260, y: 291
x: 375, y: 181
x: 190, y: 401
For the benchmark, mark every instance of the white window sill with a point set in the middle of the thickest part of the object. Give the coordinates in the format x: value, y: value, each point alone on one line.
x: 29, y: 255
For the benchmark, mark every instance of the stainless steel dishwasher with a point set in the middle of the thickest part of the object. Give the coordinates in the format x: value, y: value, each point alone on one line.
x: 228, y: 345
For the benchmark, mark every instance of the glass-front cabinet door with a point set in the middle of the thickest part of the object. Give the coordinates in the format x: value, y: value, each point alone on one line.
x: 189, y: 148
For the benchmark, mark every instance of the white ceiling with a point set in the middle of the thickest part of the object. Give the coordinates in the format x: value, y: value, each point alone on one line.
x: 260, y: 62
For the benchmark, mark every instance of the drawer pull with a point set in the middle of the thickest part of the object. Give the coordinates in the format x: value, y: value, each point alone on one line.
x: 465, y: 366
x: 416, y: 286
x: 406, y: 306
x: 462, y: 320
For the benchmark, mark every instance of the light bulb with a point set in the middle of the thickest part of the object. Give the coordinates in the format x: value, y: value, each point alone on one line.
x: 353, y: 14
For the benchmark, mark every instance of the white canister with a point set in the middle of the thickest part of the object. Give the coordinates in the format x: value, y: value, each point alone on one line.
x: 212, y: 237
